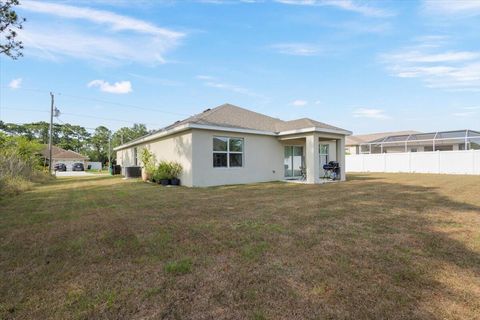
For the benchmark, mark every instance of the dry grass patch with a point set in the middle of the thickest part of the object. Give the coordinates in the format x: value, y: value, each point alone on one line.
x: 378, y: 246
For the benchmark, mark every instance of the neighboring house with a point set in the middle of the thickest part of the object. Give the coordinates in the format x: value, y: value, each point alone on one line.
x: 424, y: 142
x: 67, y: 157
x: 353, y: 143
x: 232, y: 145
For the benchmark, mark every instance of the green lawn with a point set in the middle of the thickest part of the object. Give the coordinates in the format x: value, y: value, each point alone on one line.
x: 380, y: 246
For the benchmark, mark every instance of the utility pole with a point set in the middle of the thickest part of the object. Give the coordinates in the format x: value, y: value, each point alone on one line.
x: 109, y: 152
x: 52, y: 98
x: 54, y: 112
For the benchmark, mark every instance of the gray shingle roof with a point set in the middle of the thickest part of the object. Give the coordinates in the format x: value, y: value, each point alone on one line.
x: 303, y: 123
x: 59, y: 153
x: 228, y: 115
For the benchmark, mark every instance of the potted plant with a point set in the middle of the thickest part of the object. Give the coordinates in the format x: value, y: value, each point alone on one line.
x: 150, y: 169
x: 148, y: 161
x: 156, y: 176
x: 162, y: 173
x: 175, y: 171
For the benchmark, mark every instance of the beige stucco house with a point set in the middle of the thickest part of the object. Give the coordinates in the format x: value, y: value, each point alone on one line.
x: 67, y: 157
x: 232, y: 145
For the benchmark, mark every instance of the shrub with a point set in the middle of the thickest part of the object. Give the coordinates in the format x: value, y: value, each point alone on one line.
x: 148, y: 160
x: 10, y: 186
x: 175, y: 169
x: 162, y: 171
x: 20, y: 164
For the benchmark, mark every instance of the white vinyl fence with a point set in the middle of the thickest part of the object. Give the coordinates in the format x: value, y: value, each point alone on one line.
x: 448, y: 162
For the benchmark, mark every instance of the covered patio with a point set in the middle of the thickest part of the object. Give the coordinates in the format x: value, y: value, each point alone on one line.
x: 306, y: 153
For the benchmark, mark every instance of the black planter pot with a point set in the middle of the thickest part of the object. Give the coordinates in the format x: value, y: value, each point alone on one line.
x: 175, y: 182
x: 164, y: 182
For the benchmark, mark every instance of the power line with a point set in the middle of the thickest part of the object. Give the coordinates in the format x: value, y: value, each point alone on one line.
x: 106, y: 101
x: 64, y: 123
x: 23, y: 109
x: 85, y: 116
x: 29, y: 89
x: 107, y: 119
x: 124, y: 105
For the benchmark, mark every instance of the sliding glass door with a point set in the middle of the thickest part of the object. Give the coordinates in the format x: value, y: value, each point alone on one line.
x: 293, y: 161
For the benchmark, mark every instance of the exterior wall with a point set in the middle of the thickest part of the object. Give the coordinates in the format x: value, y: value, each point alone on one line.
x: 448, y: 162
x: 262, y: 160
x: 172, y: 148
x: 312, y: 159
x: 340, y: 151
x: 263, y: 156
x: 94, y: 165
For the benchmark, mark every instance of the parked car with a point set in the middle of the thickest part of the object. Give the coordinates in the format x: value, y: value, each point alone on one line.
x: 60, y: 167
x: 78, y: 167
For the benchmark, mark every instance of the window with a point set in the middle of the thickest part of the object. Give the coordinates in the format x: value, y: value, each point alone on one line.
x: 135, y: 157
x: 444, y: 148
x: 323, y: 150
x: 413, y: 150
x: 227, y: 152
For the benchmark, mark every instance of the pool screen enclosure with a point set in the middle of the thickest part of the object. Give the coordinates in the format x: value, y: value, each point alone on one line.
x: 433, y: 141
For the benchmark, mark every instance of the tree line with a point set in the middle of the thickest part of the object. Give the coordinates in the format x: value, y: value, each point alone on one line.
x: 76, y: 138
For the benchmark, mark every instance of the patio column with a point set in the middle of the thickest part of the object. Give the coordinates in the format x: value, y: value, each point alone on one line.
x: 341, y: 157
x: 312, y: 158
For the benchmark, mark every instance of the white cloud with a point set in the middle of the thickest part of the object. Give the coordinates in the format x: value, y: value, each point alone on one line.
x: 15, y: 83
x: 203, y: 77
x: 213, y: 82
x: 112, y: 20
x: 467, y: 112
x: 348, y: 5
x: 230, y: 87
x: 457, y: 7
x: 436, y: 66
x: 228, y: 1
x: 156, y: 80
x: 464, y: 114
x: 416, y: 56
x: 120, y: 87
x: 103, y: 36
x: 297, y: 49
x: 299, y: 103
x: 370, y: 113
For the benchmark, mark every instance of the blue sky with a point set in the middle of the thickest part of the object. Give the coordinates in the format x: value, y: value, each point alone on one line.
x: 366, y: 66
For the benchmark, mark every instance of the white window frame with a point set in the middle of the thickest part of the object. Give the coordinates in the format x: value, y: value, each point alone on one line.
x: 324, y: 154
x: 135, y: 156
x: 228, y: 152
